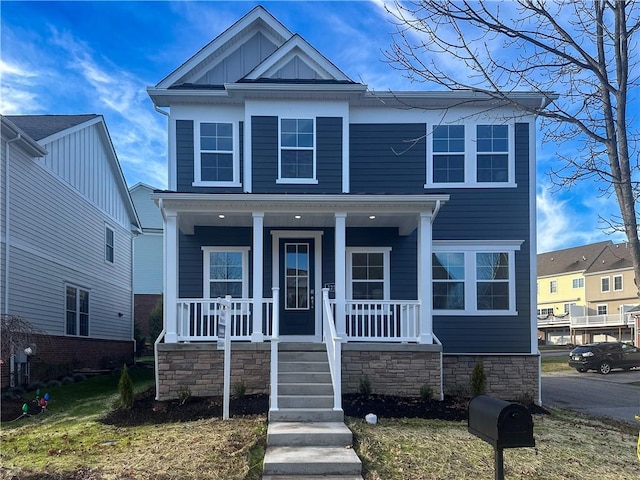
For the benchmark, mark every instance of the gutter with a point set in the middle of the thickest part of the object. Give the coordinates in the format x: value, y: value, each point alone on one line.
x: 6, y: 222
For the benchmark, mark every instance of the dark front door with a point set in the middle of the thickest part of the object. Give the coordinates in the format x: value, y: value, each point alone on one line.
x: 297, y: 289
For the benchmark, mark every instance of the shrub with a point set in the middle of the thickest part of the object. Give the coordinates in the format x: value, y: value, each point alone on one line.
x: 525, y: 399
x: 365, y: 386
x: 125, y: 388
x: 184, y: 394
x: 426, y: 392
x: 67, y: 381
x: 478, y: 380
x: 155, y: 321
x: 239, y: 389
x: 79, y: 377
x: 53, y: 383
x: 32, y: 387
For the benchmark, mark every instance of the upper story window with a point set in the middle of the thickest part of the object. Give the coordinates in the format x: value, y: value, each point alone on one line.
x: 109, y: 245
x: 226, y: 271
x: 216, y: 161
x: 553, y: 286
x: 492, y: 145
x: 471, y: 154
x: 368, y: 273
x: 617, y: 283
x: 605, y: 284
x: 578, y: 282
x: 448, y: 154
x: 297, y: 163
x: 474, y: 279
x: 602, y: 309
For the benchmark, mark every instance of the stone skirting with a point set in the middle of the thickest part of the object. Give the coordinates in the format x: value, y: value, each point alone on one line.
x: 510, y: 377
x: 394, y: 369
x: 198, y: 367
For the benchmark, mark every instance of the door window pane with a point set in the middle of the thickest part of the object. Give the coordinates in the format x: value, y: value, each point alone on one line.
x: 296, y: 276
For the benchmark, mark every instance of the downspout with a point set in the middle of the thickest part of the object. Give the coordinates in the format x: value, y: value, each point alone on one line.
x: 164, y: 329
x: 6, y: 223
x: 435, y: 211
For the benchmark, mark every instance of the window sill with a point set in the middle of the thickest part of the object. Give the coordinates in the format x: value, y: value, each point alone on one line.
x: 216, y: 184
x: 297, y: 181
x: 476, y: 313
x: 471, y: 185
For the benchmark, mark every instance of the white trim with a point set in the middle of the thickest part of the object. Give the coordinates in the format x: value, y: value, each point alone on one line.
x: 602, y: 290
x: 206, y: 280
x: 172, y: 161
x: 294, y: 180
x: 470, y: 249
x: 257, y: 218
x: 386, y: 251
x: 621, y: 277
x: 77, y: 288
x: 606, y: 307
x: 346, y: 153
x: 276, y: 236
x: 107, y: 229
x: 197, y: 155
x: 68, y: 131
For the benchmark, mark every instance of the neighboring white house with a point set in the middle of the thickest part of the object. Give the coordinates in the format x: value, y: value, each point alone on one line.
x: 67, y: 229
x: 147, y: 257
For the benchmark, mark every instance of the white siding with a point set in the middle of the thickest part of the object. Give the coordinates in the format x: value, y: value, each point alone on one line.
x: 147, y: 210
x: 57, y: 237
x: 2, y: 220
x: 84, y: 161
x: 147, y: 264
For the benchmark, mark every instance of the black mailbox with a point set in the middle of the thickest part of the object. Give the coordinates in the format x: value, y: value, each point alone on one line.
x: 499, y: 423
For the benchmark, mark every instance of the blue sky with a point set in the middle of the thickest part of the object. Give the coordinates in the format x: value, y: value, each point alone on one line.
x: 99, y: 57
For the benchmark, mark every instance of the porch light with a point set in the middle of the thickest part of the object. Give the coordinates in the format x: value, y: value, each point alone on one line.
x: 297, y: 217
x: 221, y: 216
x: 372, y: 217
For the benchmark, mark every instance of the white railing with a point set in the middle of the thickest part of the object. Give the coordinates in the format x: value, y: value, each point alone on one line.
x: 334, y: 348
x: 227, y: 303
x: 598, y: 321
x: 275, y: 339
x: 437, y: 341
x: 552, y: 320
x: 200, y: 319
x: 383, y: 321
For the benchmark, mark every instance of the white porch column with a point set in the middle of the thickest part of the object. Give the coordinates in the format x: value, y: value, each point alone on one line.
x: 341, y: 273
x: 171, y: 277
x: 424, y: 278
x: 257, y: 334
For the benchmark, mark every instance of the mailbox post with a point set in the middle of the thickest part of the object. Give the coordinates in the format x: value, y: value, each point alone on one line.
x: 502, y: 425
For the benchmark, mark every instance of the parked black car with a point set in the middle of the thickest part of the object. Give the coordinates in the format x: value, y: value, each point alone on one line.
x: 604, y: 356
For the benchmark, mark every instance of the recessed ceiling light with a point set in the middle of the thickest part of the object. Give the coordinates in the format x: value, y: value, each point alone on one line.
x: 297, y: 217
x: 221, y: 216
x: 372, y: 217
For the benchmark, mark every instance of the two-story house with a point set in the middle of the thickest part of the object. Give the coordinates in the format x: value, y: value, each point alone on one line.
x: 67, y: 225
x: 394, y: 229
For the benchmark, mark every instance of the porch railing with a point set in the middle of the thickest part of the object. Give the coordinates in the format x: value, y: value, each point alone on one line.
x: 334, y: 349
x: 383, y: 321
x: 600, y: 321
x: 202, y: 319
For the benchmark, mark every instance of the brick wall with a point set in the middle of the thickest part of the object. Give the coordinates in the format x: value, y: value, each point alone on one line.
x: 142, y: 306
x: 508, y: 377
x: 391, y: 369
x: 199, y: 367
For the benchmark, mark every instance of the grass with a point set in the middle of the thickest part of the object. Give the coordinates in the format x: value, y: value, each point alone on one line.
x: 568, y: 446
x: 555, y: 364
x: 68, y: 439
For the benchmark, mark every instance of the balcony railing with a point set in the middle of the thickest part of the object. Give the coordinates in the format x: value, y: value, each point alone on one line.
x: 599, y: 321
x: 383, y: 321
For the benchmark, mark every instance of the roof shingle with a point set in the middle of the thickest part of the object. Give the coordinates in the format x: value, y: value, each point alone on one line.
x: 42, y: 126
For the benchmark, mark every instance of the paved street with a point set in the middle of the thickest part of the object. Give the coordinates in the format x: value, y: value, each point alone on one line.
x: 613, y: 395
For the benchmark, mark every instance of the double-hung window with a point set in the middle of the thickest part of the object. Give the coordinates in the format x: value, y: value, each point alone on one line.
x: 109, y: 245
x: 578, y: 282
x: 553, y: 286
x: 77, y: 311
x: 617, y: 283
x: 492, y: 146
x: 368, y: 273
x: 216, y: 162
x: 474, y: 278
x: 226, y: 271
x: 602, y: 309
x: 297, y: 151
x: 448, y: 154
x: 605, y: 285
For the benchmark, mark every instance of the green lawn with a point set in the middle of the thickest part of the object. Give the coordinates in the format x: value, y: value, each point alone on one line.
x: 555, y: 364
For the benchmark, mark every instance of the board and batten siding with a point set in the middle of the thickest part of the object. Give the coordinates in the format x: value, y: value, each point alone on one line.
x: 82, y: 160
x: 264, y: 147
x: 387, y: 158
x: 58, y: 238
x: 491, y: 214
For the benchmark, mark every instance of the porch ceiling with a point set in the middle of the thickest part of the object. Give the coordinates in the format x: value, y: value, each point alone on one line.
x: 298, y: 211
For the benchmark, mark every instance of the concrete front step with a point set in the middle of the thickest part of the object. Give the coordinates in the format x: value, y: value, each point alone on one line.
x: 305, y: 367
x: 302, y: 356
x: 305, y: 401
x: 311, y: 461
x: 306, y: 415
x: 305, y: 389
x: 312, y: 477
x: 314, y: 434
x: 303, y: 377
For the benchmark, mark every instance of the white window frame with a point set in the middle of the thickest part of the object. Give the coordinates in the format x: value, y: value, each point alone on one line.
x: 616, y: 277
x: 109, y: 247
x: 579, y: 281
x: 386, y: 274
x: 469, y: 248
x: 545, y: 311
x: 471, y: 155
x: 553, y: 287
x: 197, y: 154
x: 602, y: 305
x: 206, y: 263
x: 297, y: 181
x: 78, y: 289
x: 567, y: 307
x: 602, y: 289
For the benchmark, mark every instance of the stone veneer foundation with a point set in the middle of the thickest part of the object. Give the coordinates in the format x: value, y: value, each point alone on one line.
x: 397, y: 369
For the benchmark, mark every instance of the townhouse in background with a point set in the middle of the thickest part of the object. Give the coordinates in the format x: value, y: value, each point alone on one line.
x: 587, y: 294
x: 67, y: 225
x: 147, y: 258
x: 405, y: 220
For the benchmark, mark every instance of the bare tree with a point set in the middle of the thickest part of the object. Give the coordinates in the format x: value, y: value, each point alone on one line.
x: 17, y: 334
x: 581, y: 49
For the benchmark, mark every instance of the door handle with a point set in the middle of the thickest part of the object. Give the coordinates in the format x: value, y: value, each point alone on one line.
x: 312, y: 298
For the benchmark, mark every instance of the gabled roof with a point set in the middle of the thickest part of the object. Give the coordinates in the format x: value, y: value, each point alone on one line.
x: 570, y: 260
x: 42, y: 126
x: 613, y: 257
x: 32, y: 147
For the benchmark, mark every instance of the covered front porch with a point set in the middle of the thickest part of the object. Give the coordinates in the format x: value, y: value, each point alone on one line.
x: 245, y: 274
